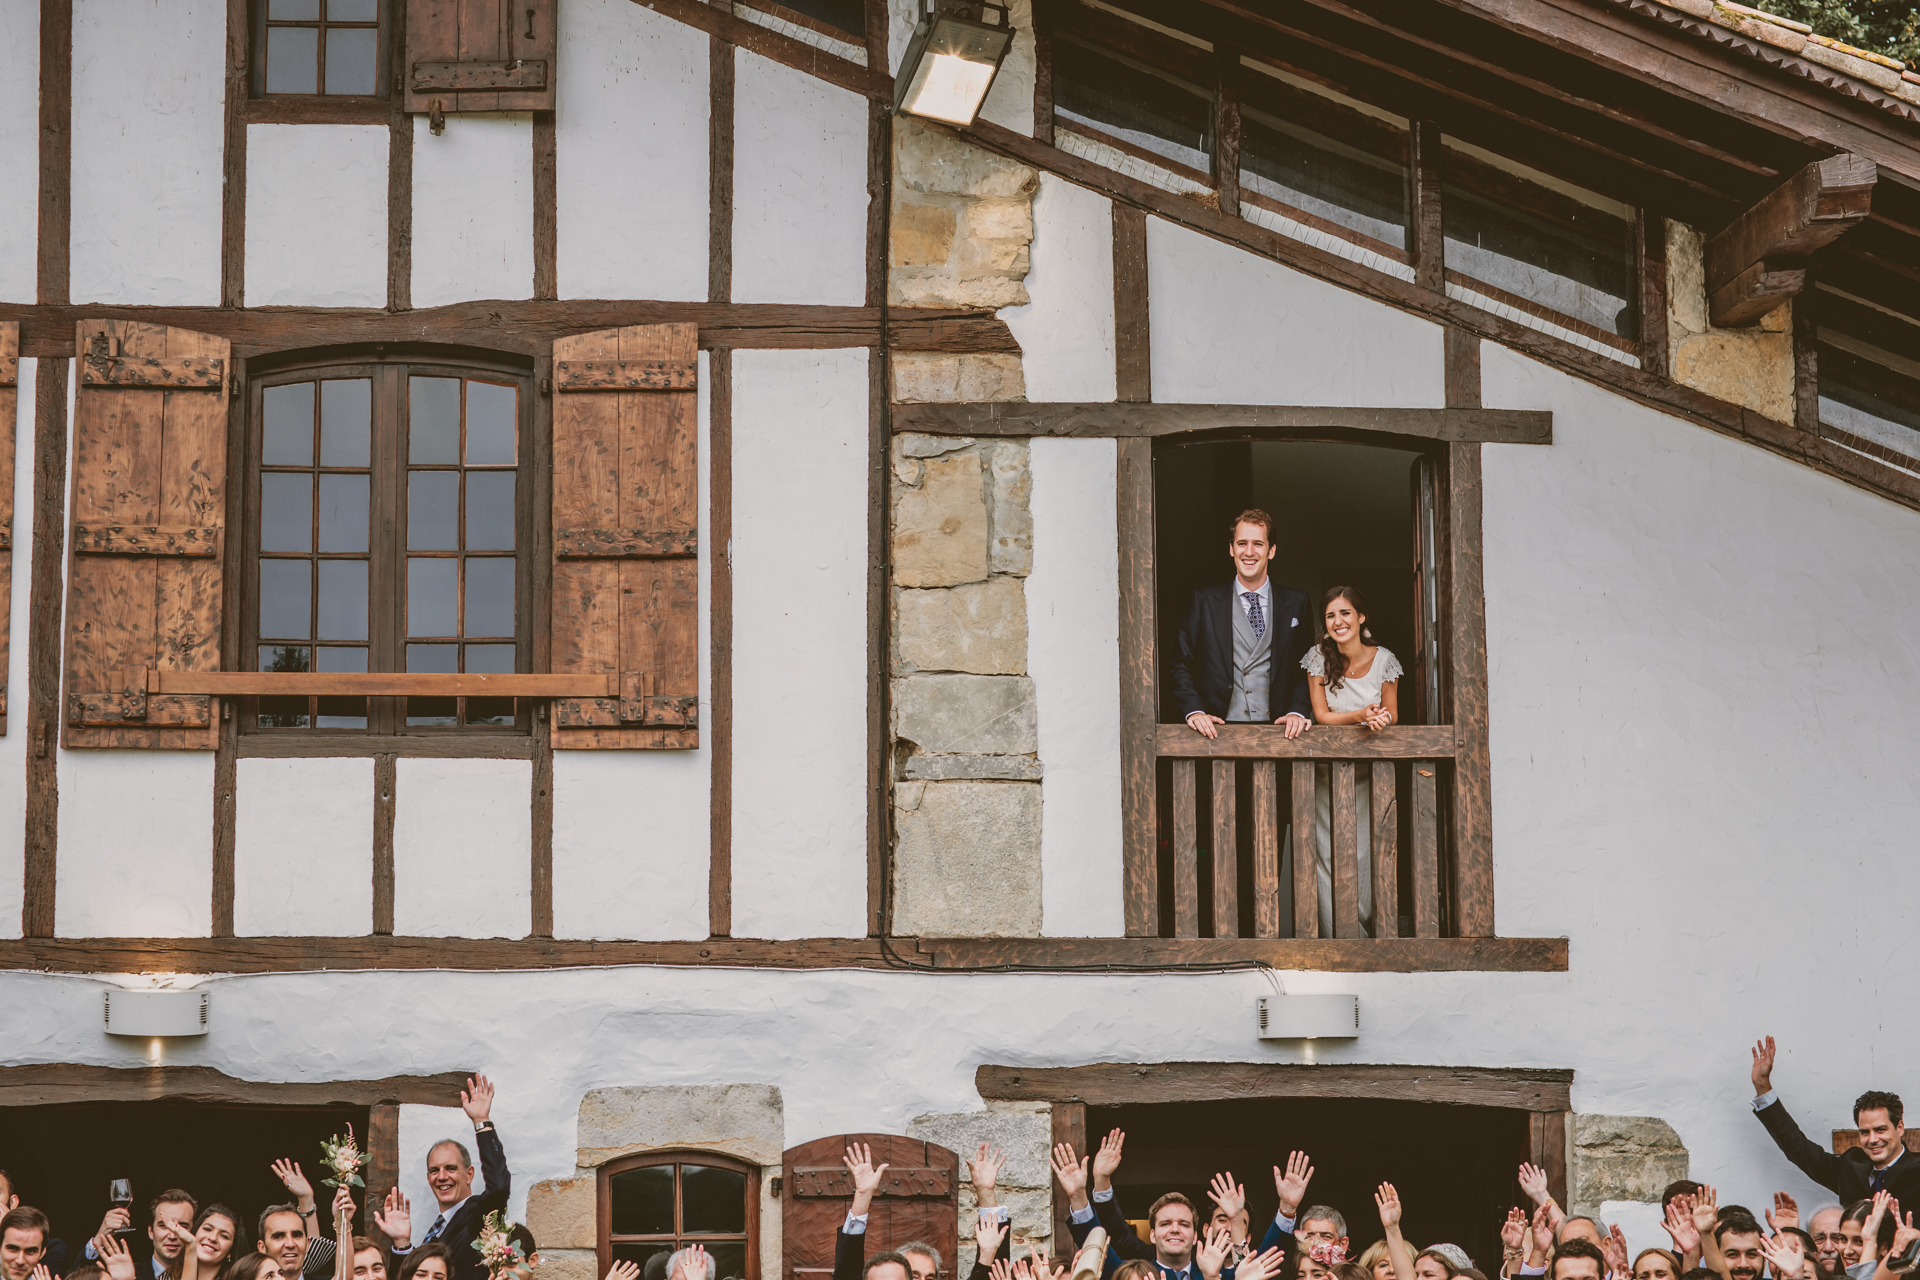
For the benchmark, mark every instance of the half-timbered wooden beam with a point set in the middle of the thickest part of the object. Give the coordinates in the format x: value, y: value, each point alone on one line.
x: 1760, y: 259
x: 1121, y: 419
x: 1106, y: 1084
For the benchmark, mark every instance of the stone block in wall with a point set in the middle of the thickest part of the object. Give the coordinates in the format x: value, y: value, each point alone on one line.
x: 1750, y: 366
x: 922, y: 233
x: 978, y: 207
x: 911, y: 444
x: 934, y: 161
x: 1022, y: 1130
x: 565, y: 1264
x: 924, y: 768
x: 1621, y: 1158
x: 940, y: 526
x: 1011, y: 537
x: 967, y: 859
x: 746, y: 1121
x: 928, y: 377
x: 980, y: 627
x: 562, y: 1213
x: 967, y: 714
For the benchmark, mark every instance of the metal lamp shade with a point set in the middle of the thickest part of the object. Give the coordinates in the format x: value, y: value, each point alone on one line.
x: 950, y: 66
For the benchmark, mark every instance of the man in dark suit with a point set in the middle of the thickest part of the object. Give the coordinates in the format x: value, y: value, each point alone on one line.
x: 450, y: 1176
x: 1240, y: 647
x: 1880, y: 1163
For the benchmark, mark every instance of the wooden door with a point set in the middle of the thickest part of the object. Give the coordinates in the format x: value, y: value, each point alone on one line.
x: 918, y: 1201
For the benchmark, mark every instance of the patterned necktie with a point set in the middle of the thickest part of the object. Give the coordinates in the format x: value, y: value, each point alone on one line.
x: 433, y: 1232
x: 1253, y: 613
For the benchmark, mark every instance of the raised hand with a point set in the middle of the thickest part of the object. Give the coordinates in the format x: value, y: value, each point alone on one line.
x: 1785, y: 1212
x: 1541, y: 1230
x: 1211, y: 1253
x: 113, y: 1256
x: 40, y: 1272
x: 395, y: 1219
x: 1231, y: 1196
x: 866, y: 1178
x: 1679, y: 1225
x: 693, y: 1264
x: 343, y: 1205
x: 1763, y: 1066
x: 117, y: 1219
x: 987, y: 1235
x: 1513, y: 1233
x: 1387, y: 1200
x: 1107, y: 1159
x: 1072, y: 1173
x: 984, y: 1168
x: 1706, y: 1210
x: 477, y: 1099
x: 1614, y: 1246
x: 623, y: 1270
x: 1784, y: 1256
x: 288, y: 1171
x: 1533, y: 1181
x: 1292, y: 1185
x: 1260, y: 1266
x: 1904, y: 1234
x: 1044, y: 1268
x: 1000, y: 1269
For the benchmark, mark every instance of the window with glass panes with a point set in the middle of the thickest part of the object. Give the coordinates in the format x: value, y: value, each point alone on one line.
x: 659, y: 1203
x: 329, y: 48
x: 386, y: 522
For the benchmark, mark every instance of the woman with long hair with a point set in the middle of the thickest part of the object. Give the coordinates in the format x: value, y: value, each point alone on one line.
x: 216, y: 1243
x: 1352, y: 681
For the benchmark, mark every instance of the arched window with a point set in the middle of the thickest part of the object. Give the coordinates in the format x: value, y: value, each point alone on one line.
x: 386, y: 527
x: 661, y: 1201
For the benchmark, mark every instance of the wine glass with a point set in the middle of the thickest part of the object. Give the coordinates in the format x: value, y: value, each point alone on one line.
x: 120, y: 1193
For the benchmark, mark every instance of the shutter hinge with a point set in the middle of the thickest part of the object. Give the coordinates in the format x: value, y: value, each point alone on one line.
x: 546, y: 386
x: 774, y: 1184
x: 436, y: 117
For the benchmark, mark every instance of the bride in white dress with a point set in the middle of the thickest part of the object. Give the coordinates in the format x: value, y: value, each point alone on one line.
x: 1352, y: 682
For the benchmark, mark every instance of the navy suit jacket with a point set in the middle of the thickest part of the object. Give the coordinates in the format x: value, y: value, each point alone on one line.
x: 1203, y: 669
x: 1123, y: 1245
x: 459, y: 1233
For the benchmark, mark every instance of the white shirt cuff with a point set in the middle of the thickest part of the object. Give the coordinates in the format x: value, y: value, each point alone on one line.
x: 1531, y: 1271
x: 1283, y: 1222
x: 856, y: 1224
x: 1081, y: 1215
x: 1103, y: 1196
x: 996, y: 1213
x: 1765, y: 1100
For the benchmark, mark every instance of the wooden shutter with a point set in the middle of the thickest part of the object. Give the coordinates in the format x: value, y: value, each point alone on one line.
x: 626, y: 592
x: 10, y: 417
x: 480, y: 55
x: 918, y: 1200
x: 144, y: 549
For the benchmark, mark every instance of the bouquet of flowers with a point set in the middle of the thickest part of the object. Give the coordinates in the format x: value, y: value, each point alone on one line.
x: 345, y: 1159
x: 496, y: 1247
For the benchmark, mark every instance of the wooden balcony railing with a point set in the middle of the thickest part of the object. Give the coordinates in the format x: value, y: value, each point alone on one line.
x: 1209, y: 831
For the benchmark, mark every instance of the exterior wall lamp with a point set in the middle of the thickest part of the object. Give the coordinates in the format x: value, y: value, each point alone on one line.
x: 952, y: 60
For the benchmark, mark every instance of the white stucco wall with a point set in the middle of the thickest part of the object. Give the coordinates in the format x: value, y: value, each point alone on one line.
x: 632, y: 830
x: 1066, y: 332
x: 316, y: 215
x: 799, y: 187
x: 1232, y: 328
x: 13, y: 747
x: 135, y: 844
x: 303, y: 847
x: 1073, y: 654
x: 631, y: 142
x: 19, y: 150
x: 462, y: 848
x: 149, y: 87
x: 800, y: 465
x: 473, y: 208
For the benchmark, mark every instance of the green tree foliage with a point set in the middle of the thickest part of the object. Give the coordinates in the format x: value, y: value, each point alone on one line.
x: 1891, y: 27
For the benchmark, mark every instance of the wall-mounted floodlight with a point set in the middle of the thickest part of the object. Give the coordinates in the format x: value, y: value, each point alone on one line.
x: 156, y: 1013
x: 1315, y: 1017
x: 952, y: 59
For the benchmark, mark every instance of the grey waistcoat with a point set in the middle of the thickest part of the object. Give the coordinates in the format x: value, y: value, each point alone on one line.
x: 1252, y: 665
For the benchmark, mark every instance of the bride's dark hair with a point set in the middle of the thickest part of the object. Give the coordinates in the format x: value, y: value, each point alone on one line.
x: 1334, y: 661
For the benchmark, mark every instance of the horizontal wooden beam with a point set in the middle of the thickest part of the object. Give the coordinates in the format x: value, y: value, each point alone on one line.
x: 55, y: 1083
x: 384, y: 684
x: 1324, y: 742
x: 1651, y: 389
x: 1112, y: 1084
x: 1121, y: 418
x: 529, y: 326
x: 872, y: 83
x: 1758, y: 261
x: 294, y: 955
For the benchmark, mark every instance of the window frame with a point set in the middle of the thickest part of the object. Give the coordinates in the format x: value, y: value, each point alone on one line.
x: 603, y: 1201
x: 382, y: 58
x: 386, y: 727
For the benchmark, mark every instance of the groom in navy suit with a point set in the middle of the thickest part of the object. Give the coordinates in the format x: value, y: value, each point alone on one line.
x: 1240, y: 647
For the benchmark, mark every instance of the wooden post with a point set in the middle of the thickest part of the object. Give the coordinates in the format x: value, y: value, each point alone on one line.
x: 1650, y: 237
x: 1426, y: 849
x: 1306, y: 843
x: 1472, y: 769
x: 720, y: 640
x: 1070, y: 1127
x: 383, y: 1163
x: 1345, y: 824
x: 1547, y: 1142
x: 1226, y: 852
x: 1132, y: 340
x: 384, y: 775
x: 1226, y: 131
x: 1139, y: 690
x: 1425, y: 230
x: 1186, y: 852
x: 1386, y: 849
x: 1266, y: 849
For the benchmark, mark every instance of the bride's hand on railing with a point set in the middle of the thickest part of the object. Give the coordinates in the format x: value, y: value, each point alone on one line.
x: 1378, y: 717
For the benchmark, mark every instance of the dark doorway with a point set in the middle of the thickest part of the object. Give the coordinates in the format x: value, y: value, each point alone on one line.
x: 63, y: 1157
x: 1455, y: 1167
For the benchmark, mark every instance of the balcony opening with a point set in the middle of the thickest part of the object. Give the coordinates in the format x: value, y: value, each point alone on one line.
x: 1355, y: 1143
x: 1348, y: 514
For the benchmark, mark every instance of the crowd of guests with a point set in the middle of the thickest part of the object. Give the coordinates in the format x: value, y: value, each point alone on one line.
x: 1865, y: 1236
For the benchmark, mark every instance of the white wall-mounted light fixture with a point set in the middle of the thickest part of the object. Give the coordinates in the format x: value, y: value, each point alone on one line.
x: 156, y: 1013
x: 952, y: 59
x: 1303, y: 1017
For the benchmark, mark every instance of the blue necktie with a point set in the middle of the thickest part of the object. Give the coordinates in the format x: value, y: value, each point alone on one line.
x: 1253, y: 613
x: 433, y: 1232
